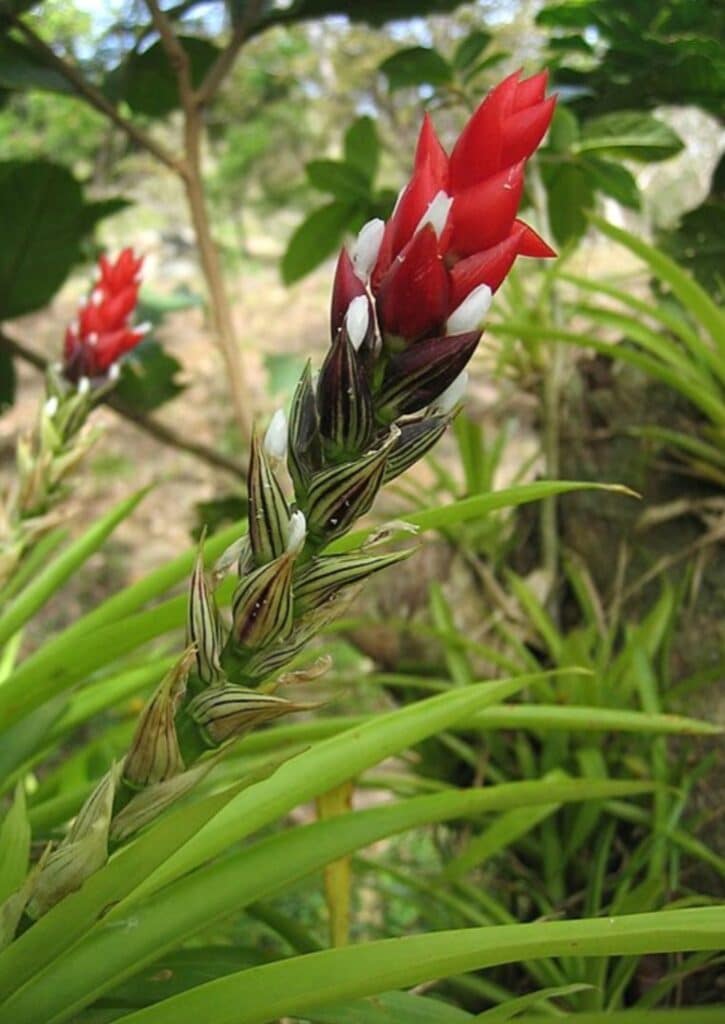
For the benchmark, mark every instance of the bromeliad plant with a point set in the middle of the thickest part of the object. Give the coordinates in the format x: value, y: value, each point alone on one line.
x: 94, y: 343
x: 408, y: 304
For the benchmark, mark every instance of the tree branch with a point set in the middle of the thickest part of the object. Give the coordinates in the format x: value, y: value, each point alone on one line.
x: 226, y: 59
x: 208, y: 252
x: 159, y: 431
x: 96, y: 99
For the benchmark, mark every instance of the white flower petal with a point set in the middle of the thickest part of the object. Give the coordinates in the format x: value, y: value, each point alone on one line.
x: 357, y: 320
x: 51, y: 406
x: 471, y: 313
x: 366, y: 248
x: 275, y: 440
x: 437, y: 213
x: 453, y: 394
x: 296, y: 532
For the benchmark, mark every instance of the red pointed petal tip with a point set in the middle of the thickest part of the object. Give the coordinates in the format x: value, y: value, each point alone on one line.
x: 413, y: 296
x: 477, y: 154
x: 482, y: 216
x: 346, y: 287
x: 532, y: 244
x: 430, y: 151
x: 531, y: 91
x: 415, y: 200
x: 524, y: 130
x: 491, y: 266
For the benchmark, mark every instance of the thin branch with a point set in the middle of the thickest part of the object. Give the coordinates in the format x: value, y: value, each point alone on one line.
x: 225, y: 61
x: 177, y: 55
x: 96, y: 98
x: 159, y: 431
x: 208, y: 252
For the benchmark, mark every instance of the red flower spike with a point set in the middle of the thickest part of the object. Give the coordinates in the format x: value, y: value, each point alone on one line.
x: 429, y: 151
x: 524, y: 130
x: 102, y: 332
x: 483, y: 215
x: 530, y: 91
x: 418, y: 280
x: 413, y: 296
x: 477, y: 154
x: 347, y: 286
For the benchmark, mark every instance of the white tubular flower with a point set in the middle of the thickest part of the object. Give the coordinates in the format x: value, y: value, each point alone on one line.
x: 366, y: 248
x: 51, y: 406
x: 357, y: 320
x: 84, y: 386
x: 296, y: 532
x: 114, y: 372
x: 275, y: 440
x: 471, y: 313
x: 454, y: 393
x: 437, y: 213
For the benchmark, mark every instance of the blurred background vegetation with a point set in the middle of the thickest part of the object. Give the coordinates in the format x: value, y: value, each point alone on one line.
x: 608, y: 364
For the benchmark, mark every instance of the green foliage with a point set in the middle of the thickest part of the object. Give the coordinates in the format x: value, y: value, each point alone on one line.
x: 147, y: 82
x: 583, y: 159
x: 317, y: 237
x: 7, y: 379
x: 21, y: 68
x: 647, y: 55
x: 417, y: 65
x: 148, y: 378
x: 43, y: 210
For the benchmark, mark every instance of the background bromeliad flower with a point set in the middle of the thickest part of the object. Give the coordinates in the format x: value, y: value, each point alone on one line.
x: 102, y: 332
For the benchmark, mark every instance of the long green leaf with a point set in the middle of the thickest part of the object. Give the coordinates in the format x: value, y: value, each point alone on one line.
x: 685, y: 287
x: 50, y: 579
x: 297, y: 985
x: 131, y: 936
x: 709, y: 404
x: 682, y: 1015
x: 63, y: 662
x: 482, y: 504
x: 76, y: 914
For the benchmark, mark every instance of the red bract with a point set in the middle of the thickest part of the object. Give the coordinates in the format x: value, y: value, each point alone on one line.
x: 102, y: 332
x: 454, y: 227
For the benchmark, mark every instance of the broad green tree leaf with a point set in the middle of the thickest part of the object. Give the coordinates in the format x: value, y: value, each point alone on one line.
x: 147, y: 82
x: 41, y: 207
x: 316, y: 238
x: 564, y: 130
x: 362, y: 147
x: 21, y: 68
x: 470, y: 49
x: 374, y: 12
x: 340, y: 179
x: 416, y: 65
x: 614, y: 180
x: 571, y: 196
x: 629, y: 135
x: 148, y: 377
x: 43, y: 212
